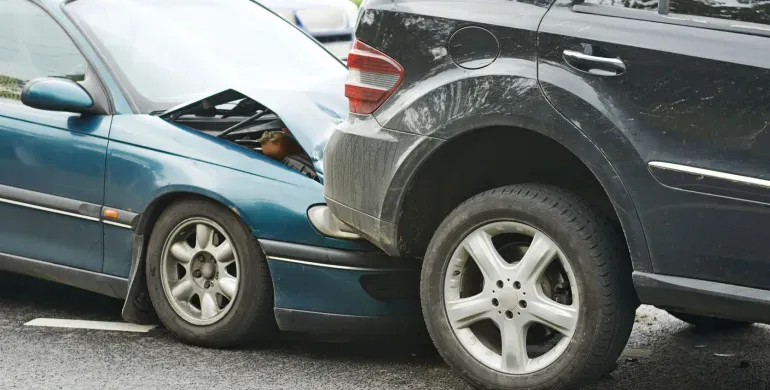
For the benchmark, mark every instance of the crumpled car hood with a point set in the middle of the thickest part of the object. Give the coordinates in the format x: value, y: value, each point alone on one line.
x: 310, y: 109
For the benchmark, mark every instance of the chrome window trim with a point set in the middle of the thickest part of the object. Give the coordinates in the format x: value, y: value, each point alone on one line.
x: 662, y: 15
x: 707, y: 172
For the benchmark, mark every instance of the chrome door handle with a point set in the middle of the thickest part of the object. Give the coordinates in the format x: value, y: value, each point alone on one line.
x: 604, y: 66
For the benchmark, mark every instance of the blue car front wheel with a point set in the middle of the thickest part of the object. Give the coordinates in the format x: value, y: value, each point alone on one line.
x: 199, y: 271
x: 207, y: 277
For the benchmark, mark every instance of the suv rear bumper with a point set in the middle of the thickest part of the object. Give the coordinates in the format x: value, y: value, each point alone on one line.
x: 379, y: 232
x: 366, y: 171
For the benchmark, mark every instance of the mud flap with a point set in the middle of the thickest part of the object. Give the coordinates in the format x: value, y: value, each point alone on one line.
x: 137, y: 307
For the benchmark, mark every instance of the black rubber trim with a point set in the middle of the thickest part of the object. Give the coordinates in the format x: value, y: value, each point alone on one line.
x: 50, y: 201
x: 109, y: 285
x: 58, y: 203
x: 321, y: 255
x: 710, y: 185
x: 127, y: 217
x: 102, y: 104
x: 137, y: 308
x: 225, y: 96
x: 309, y: 322
x: 703, y: 297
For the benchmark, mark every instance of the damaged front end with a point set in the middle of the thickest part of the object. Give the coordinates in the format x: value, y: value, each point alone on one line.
x: 235, y: 117
x: 299, y: 122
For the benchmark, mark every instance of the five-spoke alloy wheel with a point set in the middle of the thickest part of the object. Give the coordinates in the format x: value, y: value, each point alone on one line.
x: 527, y: 287
x: 518, y: 292
x: 207, y: 276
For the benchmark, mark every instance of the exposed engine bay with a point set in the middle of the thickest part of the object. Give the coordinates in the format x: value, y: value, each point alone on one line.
x: 239, y: 119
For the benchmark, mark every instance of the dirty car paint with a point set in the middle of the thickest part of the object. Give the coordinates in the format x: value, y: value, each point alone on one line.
x: 438, y: 101
x: 690, y: 96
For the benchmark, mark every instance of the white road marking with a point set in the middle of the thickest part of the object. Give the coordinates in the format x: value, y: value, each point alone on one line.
x: 636, y: 353
x: 98, y: 325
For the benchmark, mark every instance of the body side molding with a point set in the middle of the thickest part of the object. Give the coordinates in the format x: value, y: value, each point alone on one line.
x: 104, y: 284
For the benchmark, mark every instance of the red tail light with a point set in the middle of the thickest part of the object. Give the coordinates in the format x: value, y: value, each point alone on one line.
x: 372, y: 78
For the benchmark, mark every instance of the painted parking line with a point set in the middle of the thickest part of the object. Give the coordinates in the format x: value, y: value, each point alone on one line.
x: 637, y: 353
x: 97, y: 325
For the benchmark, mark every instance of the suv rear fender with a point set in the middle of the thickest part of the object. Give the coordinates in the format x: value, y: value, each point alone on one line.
x: 441, y: 100
x: 527, y: 109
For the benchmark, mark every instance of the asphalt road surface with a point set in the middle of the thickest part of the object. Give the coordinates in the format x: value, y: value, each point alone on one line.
x: 663, y: 353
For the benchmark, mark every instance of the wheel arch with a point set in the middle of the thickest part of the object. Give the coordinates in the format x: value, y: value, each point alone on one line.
x: 137, y: 307
x: 478, y: 138
x: 155, y: 208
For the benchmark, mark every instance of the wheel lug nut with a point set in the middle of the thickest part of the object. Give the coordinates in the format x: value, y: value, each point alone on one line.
x: 516, y: 285
x: 495, y: 302
x: 207, y: 284
x: 197, y: 273
x: 509, y: 314
x: 523, y: 304
x: 499, y: 284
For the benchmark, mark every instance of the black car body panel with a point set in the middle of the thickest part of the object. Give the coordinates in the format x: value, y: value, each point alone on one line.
x: 690, y: 96
x: 672, y: 125
x: 447, y: 101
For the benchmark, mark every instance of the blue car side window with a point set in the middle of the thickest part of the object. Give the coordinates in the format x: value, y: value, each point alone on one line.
x: 33, y: 45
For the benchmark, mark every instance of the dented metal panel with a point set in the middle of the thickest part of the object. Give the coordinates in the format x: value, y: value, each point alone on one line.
x: 371, y: 160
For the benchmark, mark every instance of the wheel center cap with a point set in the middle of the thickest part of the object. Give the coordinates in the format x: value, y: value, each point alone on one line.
x: 509, y: 299
x: 208, y: 270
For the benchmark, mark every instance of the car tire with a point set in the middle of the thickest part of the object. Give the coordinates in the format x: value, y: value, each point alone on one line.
x: 586, y: 243
x: 709, y: 323
x: 187, y: 257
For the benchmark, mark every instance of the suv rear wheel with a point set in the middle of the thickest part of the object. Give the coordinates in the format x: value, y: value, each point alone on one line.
x: 525, y: 287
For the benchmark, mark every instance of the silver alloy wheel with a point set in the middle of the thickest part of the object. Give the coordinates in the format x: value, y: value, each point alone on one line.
x: 199, y: 271
x: 511, y: 297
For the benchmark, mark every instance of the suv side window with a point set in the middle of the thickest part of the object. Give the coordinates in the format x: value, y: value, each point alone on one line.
x: 751, y: 15
x: 752, y: 11
x: 33, y: 45
x: 647, y: 5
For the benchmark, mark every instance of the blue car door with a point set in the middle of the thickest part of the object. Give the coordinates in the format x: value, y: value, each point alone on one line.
x: 52, y: 164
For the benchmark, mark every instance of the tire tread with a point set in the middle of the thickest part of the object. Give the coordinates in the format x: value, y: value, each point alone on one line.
x: 609, y: 256
x: 255, y: 319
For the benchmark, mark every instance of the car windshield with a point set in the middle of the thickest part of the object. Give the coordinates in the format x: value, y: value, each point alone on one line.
x: 169, y: 52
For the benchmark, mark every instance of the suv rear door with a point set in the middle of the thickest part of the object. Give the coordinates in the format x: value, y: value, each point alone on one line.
x: 677, y: 94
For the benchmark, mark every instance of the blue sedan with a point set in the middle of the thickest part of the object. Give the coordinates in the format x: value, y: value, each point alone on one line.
x: 170, y: 154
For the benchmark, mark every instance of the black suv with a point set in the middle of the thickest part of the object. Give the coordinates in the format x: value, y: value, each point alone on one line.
x: 554, y: 164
